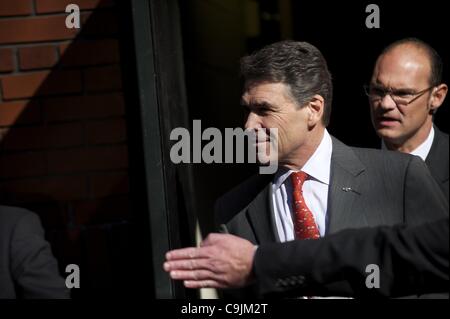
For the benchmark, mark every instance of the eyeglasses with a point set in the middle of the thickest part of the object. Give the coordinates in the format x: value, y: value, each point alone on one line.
x: 400, y: 97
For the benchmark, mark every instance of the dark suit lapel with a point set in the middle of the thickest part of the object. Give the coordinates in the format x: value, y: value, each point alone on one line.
x: 437, y: 159
x: 261, y: 217
x: 346, y: 173
x: 346, y: 188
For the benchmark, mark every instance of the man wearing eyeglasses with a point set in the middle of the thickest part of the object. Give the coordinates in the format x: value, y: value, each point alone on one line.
x: 405, y: 92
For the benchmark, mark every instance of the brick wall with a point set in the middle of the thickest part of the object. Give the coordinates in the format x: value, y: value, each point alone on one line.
x: 63, y: 149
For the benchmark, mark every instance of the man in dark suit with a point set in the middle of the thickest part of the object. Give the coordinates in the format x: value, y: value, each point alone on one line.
x: 405, y: 92
x: 410, y: 260
x: 322, y: 186
x: 27, y: 266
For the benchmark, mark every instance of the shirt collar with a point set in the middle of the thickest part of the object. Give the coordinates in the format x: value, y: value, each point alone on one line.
x: 317, y: 166
x: 423, y: 149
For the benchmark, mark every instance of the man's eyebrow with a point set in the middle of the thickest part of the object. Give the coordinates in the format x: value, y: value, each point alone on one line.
x: 402, y: 88
x: 260, y: 104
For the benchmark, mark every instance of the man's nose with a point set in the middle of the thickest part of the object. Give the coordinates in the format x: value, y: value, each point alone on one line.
x: 387, y: 102
x: 252, y: 121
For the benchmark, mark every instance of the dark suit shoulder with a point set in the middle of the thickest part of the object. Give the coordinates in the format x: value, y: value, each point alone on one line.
x: 10, y: 216
x: 32, y: 268
x: 389, y: 163
x: 370, y: 154
x: 440, y: 147
x: 439, y: 135
x: 438, y: 157
x: 357, y: 159
x: 420, y: 190
x: 392, y: 162
x: 239, y: 197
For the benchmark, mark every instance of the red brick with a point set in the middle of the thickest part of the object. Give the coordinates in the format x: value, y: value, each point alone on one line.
x: 89, y: 53
x: 35, y: 29
x: 41, y: 83
x: 20, y: 112
x: 101, y: 210
x: 43, y: 56
x: 15, y: 7
x: 83, y: 107
x: 88, y: 159
x: 50, y: 188
x: 106, y: 131
x: 103, y: 78
x: 6, y: 60
x: 28, y: 138
x: 47, y: 6
x: 108, y: 184
x: 21, y: 165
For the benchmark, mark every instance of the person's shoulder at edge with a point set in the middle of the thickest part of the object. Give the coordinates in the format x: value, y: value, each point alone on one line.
x: 10, y: 215
x: 24, y: 229
x: 365, y: 153
x: 391, y: 160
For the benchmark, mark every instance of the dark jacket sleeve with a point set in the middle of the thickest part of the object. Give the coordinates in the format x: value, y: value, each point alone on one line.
x: 411, y: 260
x: 33, y: 266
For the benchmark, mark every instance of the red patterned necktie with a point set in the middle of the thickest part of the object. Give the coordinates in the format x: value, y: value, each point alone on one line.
x: 304, y: 224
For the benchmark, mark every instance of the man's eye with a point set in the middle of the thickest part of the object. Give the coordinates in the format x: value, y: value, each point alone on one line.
x: 262, y: 110
x: 377, y: 91
x: 402, y: 93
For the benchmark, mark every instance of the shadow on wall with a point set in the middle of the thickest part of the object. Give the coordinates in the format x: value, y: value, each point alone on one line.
x: 63, y: 147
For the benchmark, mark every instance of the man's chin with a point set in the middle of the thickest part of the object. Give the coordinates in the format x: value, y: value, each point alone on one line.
x: 390, y: 137
x: 386, y: 133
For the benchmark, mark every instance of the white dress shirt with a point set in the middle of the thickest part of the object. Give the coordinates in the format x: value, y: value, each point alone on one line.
x: 315, y: 191
x: 423, y: 149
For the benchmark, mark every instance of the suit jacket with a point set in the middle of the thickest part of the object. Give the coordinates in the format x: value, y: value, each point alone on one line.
x: 27, y: 266
x: 388, y: 188
x: 412, y: 260
x: 437, y: 160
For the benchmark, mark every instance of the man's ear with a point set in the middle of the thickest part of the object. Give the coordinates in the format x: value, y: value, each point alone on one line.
x: 438, y: 96
x: 316, y: 107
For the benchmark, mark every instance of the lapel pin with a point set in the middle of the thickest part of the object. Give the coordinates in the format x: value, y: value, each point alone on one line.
x: 349, y: 189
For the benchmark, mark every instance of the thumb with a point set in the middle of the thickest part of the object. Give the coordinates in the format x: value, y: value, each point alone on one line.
x: 211, y: 239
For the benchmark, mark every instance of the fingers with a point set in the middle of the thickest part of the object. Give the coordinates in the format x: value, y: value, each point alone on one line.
x: 184, y: 264
x: 185, y: 253
x: 203, y: 284
x: 198, y: 252
x: 197, y: 278
x: 194, y: 275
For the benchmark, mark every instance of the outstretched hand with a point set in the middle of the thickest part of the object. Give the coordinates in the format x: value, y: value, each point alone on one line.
x: 221, y: 261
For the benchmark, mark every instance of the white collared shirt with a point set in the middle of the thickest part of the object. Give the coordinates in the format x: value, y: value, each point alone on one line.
x: 423, y: 149
x: 315, y: 191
